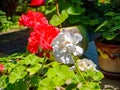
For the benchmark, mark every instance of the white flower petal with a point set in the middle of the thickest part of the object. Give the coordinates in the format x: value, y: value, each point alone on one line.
x: 78, y: 51
x: 85, y: 64
x: 77, y: 38
x: 65, y: 45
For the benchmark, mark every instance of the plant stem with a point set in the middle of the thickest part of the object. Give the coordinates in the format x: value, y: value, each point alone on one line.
x: 57, y: 10
x: 79, y: 72
x: 43, y: 63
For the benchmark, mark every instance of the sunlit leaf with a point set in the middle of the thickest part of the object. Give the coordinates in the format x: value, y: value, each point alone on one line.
x: 63, y: 16
x: 17, y: 73
x: 3, y: 81
x: 31, y: 59
x: 101, y: 25
x: 76, y: 10
x: 33, y: 69
x: 50, y: 9
x: 55, y: 20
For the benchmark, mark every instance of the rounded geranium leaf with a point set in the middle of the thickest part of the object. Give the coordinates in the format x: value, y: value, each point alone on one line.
x: 75, y: 10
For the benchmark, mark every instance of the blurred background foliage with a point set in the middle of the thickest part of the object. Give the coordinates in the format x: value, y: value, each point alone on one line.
x: 94, y: 13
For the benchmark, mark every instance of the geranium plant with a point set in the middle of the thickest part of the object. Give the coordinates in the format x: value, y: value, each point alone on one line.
x: 110, y: 28
x: 53, y: 61
x: 63, y: 13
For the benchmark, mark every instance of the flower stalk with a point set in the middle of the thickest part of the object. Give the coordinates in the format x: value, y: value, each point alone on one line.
x: 79, y: 72
x: 43, y: 63
x: 57, y: 10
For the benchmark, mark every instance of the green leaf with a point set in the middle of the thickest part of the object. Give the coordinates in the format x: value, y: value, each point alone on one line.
x: 63, y: 72
x: 59, y: 72
x: 12, y: 57
x: 75, y: 10
x: 51, y: 73
x: 109, y: 35
x: 63, y: 16
x: 98, y: 76
x: 60, y: 81
x: 116, y: 18
x: 115, y: 28
x: 56, y: 75
x: 74, y: 19
x: 33, y: 69
x: 17, y: 73
x: 94, y: 75
x: 31, y: 59
x: 49, y: 1
x: 45, y: 88
x: 50, y: 9
x: 55, y: 20
x: 100, y: 26
x: 90, y: 86
x: 47, y: 82
x: 3, y: 81
x: 18, y: 85
x: 93, y: 22
x: 110, y: 14
x: 76, y: 79
x: 34, y: 80
x: 10, y: 66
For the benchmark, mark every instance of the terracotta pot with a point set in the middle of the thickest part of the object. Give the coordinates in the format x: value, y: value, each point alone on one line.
x: 108, y: 57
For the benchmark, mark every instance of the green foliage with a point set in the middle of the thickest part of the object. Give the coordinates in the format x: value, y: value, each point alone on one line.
x: 68, y: 13
x: 7, y: 23
x: 19, y: 68
x: 110, y: 28
x: 27, y: 71
x: 57, y: 20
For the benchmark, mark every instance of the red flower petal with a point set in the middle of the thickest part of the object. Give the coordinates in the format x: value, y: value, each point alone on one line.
x: 33, y: 42
x: 1, y: 67
x: 36, y: 3
x: 42, y: 37
x: 32, y: 19
x: 47, y: 34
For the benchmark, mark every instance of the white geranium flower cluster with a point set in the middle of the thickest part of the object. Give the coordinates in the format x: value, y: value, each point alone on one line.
x: 66, y: 44
x: 86, y: 64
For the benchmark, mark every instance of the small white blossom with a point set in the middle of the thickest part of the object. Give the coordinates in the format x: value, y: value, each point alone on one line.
x: 86, y: 64
x: 65, y: 45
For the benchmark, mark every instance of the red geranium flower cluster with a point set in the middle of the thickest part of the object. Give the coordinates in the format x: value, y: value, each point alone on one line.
x: 32, y: 19
x: 1, y: 67
x: 43, y: 33
x: 42, y: 37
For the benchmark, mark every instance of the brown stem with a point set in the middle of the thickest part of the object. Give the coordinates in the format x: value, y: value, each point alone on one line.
x: 57, y: 7
x: 57, y: 10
